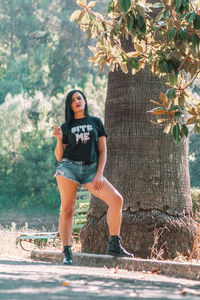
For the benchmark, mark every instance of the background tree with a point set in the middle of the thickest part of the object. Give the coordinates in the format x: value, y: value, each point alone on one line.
x: 149, y: 170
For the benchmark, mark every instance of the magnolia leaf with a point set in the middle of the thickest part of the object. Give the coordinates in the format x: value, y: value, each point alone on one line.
x: 155, y: 102
x: 124, y: 68
x: 173, y: 78
x: 190, y: 16
x: 91, y: 4
x: 167, y: 128
x: 171, y: 93
x: 163, y: 66
x: 130, y: 21
x: 80, y: 17
x: 171, y: 33
x: 138, y: 47
x: 164, y: 99
x: 158, y: 112
x: 75, y: 15
x: 183, y: 34
x: 132, y: 54
x: 196, y: 22
x: 157, y: 5
x: 134, y: 63
x: 140, y: 10
x: 110, y: 6
x: 93, y: 49
x: 162, y: 120
x: 150, y: 56
x: 125, y: 5
x: 184, y: 130
x: 176, y: 134
x: 178, y: 4
x: 103, y: 64
x: 191, y: 111
x: 81, y: 3
x: 173, y: 112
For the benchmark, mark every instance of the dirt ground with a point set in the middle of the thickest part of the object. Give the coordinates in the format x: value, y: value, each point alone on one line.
x: 21, y: 278
x: 38, y: 219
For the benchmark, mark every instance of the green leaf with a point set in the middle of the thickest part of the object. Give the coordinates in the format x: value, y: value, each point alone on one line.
x: 160, y: 53
x: 178, y: 4
x: 176, y: 134
x: 130, y: 21
x: 104, y: 26
x: 163, y: 66
x: 178, y: 107
x: 125, y: 5
x: 140, y: 20
x: 110, y: 6
x: 134, y: 63
x: 195, y: 42
x: 157, y: 5
x: 124, y: 57
x: 150, y: 57
x: 190, y: 16
x: 171, y: 33
x: 184, y: 130
x: 170, y: 93
x: 183, y: 34
x: 178, y: 114
x: 173, y: 78
x: 196, y: 22
x: 171, y: 66
x: 116, y: 29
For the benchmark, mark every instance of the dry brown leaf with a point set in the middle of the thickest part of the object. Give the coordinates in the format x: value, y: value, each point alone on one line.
x: 154, y: 271
x: 116, y: 270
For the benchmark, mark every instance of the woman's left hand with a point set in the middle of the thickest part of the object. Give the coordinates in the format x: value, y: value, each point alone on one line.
x: 98, y: 182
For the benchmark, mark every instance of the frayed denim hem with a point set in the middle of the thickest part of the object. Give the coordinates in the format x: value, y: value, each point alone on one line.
x: 61, y: 173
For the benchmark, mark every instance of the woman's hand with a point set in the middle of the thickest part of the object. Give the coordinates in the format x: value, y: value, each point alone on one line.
x: 98, y: 182
x: 57, y: 132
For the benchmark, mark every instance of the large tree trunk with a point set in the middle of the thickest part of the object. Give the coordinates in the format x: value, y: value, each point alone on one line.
x: 148, y: 169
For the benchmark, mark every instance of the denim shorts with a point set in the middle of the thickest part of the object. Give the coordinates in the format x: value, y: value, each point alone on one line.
x: 76, y: 171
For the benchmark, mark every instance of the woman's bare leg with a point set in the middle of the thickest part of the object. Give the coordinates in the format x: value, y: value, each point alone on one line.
x: 68, y: 190
x: 114, y: 216
x: 114, y: 201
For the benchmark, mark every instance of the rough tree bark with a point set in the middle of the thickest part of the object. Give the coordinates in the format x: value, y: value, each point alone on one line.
x: 148, y: 169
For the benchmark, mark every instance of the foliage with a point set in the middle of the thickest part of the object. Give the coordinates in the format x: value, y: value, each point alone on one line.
x: 167, y: 40
x: 27, y: 147
x: 194, y: 160
x: 195, y: 193
x: 40, y: 49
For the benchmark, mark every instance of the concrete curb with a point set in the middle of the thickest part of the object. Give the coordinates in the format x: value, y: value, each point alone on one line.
x: 174, y: 269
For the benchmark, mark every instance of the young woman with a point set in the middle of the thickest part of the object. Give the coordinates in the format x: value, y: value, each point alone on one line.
x: 81, y: 151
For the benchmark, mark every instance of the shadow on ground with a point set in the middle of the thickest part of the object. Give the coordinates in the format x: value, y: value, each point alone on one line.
x: 34, y: 280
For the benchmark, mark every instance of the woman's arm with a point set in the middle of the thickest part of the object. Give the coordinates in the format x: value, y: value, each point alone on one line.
x: 102, y: 155
x: 98, y: 179
x: 60, y: 147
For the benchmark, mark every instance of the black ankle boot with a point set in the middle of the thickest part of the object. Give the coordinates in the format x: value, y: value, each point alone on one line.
x: 68, y: 260
x: 115, y: 248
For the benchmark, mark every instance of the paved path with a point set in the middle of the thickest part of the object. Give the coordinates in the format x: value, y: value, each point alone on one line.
x: 25, y: 279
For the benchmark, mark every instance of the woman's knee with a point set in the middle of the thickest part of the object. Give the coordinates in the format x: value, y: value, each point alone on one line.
x: 67, y: 212
x: 118, y: 201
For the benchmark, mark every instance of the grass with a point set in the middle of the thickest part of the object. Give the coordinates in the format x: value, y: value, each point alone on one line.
x: 8, y: 235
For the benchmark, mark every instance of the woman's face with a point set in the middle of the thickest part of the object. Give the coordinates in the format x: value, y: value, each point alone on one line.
x: 78, y: 102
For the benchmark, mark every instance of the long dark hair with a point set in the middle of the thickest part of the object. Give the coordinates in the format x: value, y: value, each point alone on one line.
x: 69, y: 114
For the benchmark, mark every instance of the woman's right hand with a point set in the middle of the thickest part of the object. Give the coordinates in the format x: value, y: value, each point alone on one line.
x: 57, y: 132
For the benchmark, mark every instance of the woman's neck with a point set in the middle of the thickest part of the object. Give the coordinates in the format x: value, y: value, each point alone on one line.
x: 79, y: 115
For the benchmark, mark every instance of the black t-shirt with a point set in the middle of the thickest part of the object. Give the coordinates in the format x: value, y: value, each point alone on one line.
x: 81, y: 138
